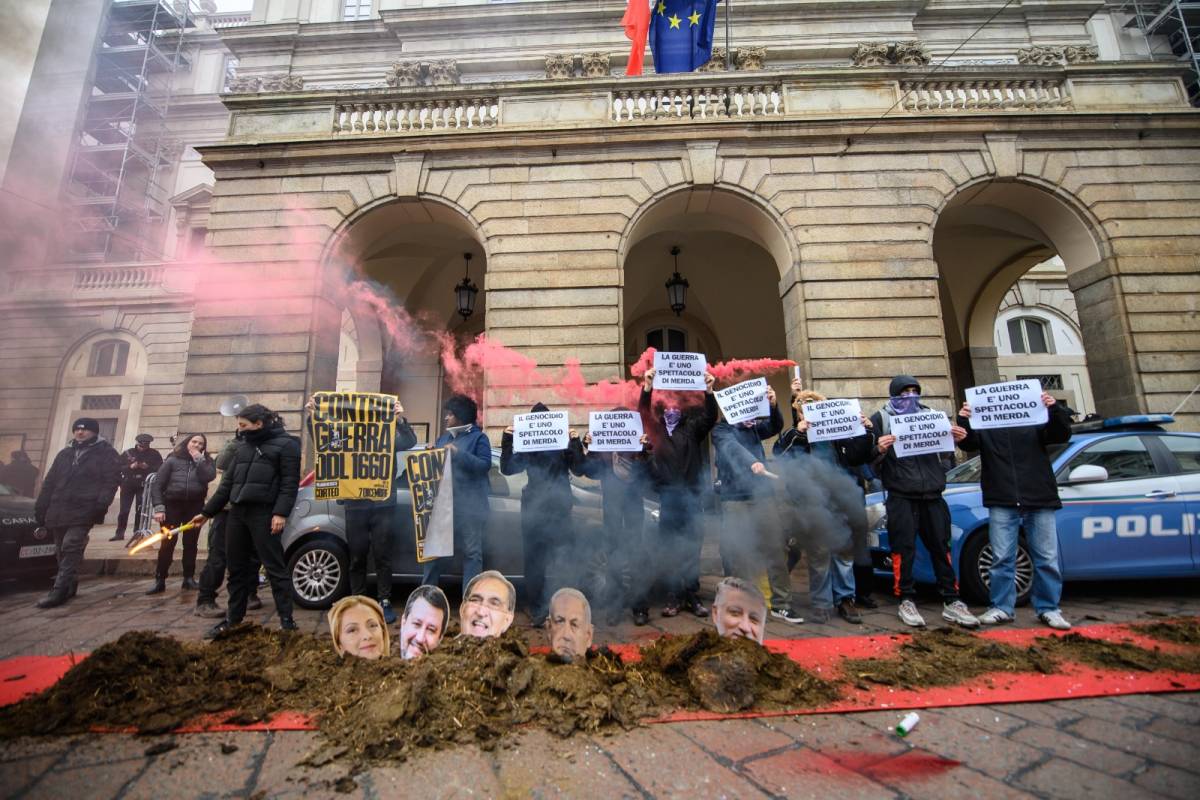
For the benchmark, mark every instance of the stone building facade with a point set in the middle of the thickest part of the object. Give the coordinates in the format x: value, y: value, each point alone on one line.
x: 860, y: 193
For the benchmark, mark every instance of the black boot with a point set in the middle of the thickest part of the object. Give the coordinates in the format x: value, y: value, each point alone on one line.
x: 864, y: 579
x: 287, y: 624
x: 160, y: 586
x: 55, y: 597
x: 217, y: 630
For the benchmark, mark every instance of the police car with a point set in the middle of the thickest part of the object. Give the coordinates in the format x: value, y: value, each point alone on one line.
x: 1130, y: 491
x: 26, y: 551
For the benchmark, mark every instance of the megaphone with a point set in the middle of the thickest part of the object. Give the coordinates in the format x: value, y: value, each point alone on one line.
x: 231, y: 406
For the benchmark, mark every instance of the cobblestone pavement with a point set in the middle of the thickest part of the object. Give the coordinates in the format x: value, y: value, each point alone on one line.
x: 1126, y: 747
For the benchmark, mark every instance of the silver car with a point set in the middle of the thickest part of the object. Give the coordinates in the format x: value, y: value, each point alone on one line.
x: 314, y: 540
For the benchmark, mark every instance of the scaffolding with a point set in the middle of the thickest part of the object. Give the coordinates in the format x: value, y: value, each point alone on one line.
x: 120, y: 154
x: 1172, y: 31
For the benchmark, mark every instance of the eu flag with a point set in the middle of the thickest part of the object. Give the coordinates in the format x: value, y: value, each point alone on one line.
x: 681, y: 33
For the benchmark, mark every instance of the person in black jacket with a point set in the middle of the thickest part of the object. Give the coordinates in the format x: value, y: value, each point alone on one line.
x: 915, y: 507
x: 178, y: 491
x: 371, y: 524
x: 141, y: 461
x: 75, y: 496
x: 547, y: 532
x: 19, y: 474
x: 678, y: 443
x: 1020, y: 492
x: 215, y: 561
x: 261, y: 487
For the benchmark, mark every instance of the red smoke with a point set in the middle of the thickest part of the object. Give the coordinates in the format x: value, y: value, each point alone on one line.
x: 739, y: 369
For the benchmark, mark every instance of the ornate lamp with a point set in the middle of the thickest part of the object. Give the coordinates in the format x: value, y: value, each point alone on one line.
x: 466, y: 291
x: 677, y: 287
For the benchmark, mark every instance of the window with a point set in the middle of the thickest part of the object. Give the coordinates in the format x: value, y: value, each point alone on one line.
x: 1186, y: 450
x: 1124, y: 457
x: 667, y: 340
x: 356, y: 9
x: 101, y: 402
x: 110, y: 358
x: 1049, y: 382
x: 1028, y: 335
x: 196, y: 237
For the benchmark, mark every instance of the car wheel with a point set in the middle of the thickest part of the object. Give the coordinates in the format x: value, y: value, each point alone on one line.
x: 320, y: 573
x: 976, y: 568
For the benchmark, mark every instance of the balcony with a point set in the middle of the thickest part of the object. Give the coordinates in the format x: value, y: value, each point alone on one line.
x: 152, y: 281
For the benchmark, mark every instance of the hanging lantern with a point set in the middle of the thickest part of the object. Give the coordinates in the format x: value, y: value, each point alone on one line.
x: 465, y: 292
x: 677, y: 287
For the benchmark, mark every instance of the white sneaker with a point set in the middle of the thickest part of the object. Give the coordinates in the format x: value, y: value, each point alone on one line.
x: 910, y: 616
x: 994, y: 616
x: 1055, y: 620
x: 958, y: 613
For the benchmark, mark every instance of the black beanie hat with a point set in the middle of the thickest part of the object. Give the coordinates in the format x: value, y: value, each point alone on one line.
x: 463, y: 408
x: 87, y: 423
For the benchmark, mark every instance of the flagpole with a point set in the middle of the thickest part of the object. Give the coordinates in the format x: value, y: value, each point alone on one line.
x: 728, y: 51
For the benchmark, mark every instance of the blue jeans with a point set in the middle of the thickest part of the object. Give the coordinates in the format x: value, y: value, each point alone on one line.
x: 1041, y: 537
x: 830, y: 578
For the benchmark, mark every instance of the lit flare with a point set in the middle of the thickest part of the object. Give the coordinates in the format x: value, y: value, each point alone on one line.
x: 155, y: 538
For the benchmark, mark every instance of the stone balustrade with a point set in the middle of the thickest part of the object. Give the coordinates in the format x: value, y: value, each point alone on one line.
x: 698, y: 102
x: 118, y: 278
x: 151, y: 282
x: 424, y: 114
x: 986, y: 95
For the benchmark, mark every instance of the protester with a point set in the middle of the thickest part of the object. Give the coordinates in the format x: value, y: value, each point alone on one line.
x: 489, y: 605
x: 739, y: 610
x: 358, y: 629
x: 140, y: 461
x: 19, y: 474
x: 424, y: 621
x: 830, y: 471
x: 570, y: 629
x: 75, y: 495
x: 370, y: 524
x: 178, y: 492
x: 677, y: 438
x: 752, y: 533
x: 260, y: 486
x: 470, y: 460
x: 1021, y: 493
x: 915, y: 507
x: 215, y: 561
x: 622, y: 479
x: 547, y: 533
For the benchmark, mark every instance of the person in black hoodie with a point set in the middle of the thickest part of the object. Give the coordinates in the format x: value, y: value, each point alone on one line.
x: 677, y: 438
x: 178, y: 491
x: 915, y: 507
x: 546, y: 526
x: 75, y: 496
x: 1020, y: 492
x: 261, y: 487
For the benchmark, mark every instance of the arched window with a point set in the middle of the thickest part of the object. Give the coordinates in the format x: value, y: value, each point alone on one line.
x: 109, y: 358
x: 1029, y: 335
x: 667, y: 340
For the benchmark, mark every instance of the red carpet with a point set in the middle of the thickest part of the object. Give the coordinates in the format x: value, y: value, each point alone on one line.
x: 27, y: 675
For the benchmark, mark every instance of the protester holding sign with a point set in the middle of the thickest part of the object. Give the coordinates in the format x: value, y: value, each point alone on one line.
x: 752, y: 540
x: 469, y: 465
x: 1021, y: 493
x: 547, y: 532
x: 915, y: 507
x: 678, y: 453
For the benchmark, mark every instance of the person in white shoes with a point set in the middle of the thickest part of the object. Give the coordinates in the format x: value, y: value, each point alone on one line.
x: 1020, y: 492
x: 915, y: 508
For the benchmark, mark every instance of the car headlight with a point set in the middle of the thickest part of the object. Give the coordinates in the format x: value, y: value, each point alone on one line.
x: 876, y: 522
x: 654, y: 515
x: 302, y: 508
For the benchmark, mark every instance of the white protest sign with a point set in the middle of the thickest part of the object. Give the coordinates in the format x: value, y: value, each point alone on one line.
x: 924, y: 432
x: 615, y: 431
x: 745, y: 401
x: 544, y: 430
x: 829, y: 420
x: 680, y: 371
x: 1007, y: 405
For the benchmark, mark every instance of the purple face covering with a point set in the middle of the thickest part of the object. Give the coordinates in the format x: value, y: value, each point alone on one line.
x: 905, y: 404
x: 671, y: 417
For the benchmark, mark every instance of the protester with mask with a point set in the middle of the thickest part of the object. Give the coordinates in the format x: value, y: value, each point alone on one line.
x: 357, y: 626
x: 19, y: 474
x: 370, y: 524
x: 1020, y: 492
x: 260, y: 487
x: 677, y: 439
x: 915, y: 507
x: 570, y: 629
x: 739, y: 610
x: 178, y: 491
x: 547, y: 533
x: 832, y: 469
x: 622, y: 479
x: 76, y: 495
x: 424, y: 621
x: 752, y: 533
x: 488, y: 607
x: 140, y: 461
x: 215, y: 560
x: 470, y: 460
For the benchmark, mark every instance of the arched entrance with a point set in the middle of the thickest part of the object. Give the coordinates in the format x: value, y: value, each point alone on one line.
x: 1008, y: 254
x: 412, y: 252
x: 103, y: 377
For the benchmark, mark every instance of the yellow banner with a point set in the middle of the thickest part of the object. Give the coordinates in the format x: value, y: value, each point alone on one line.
x: 425, y: 470
x: 354, y: 434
